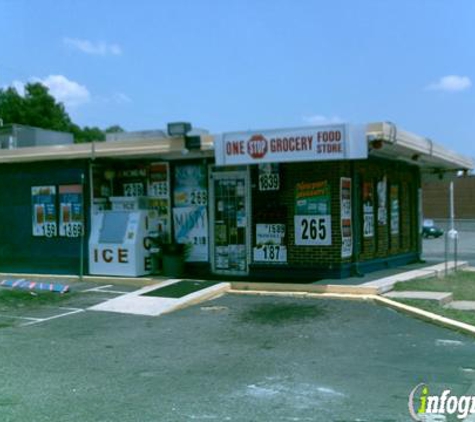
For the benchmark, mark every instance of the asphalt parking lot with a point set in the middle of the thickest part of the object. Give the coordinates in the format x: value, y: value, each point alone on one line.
x: 235, y: 358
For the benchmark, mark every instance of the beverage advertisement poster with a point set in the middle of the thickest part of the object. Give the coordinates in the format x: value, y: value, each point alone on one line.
x: 70, y: 210
x: 44, y: 221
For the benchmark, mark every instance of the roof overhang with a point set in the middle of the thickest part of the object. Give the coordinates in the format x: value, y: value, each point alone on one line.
x: 386, y: 140
x: 163, y: 148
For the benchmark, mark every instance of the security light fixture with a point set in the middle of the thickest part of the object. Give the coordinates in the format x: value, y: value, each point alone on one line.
x: 178, y: 128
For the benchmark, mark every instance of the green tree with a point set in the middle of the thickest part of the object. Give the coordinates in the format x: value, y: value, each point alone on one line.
x: 40, y: 109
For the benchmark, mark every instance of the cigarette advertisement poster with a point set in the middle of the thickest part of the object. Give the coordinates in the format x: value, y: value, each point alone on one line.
x: 44, y: 222
x: 312, y: 198
x: 191, y: 228
x: 158, y: 192
x: 190, y: 214
x: 368, y: 210
x: 190, y: 185
x: 382, y: 199
x: 70, y: 210
x: 394, y: 197
x: 345, y: 203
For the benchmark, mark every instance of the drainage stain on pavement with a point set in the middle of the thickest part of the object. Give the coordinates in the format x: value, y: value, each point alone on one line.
x: 280, y: 313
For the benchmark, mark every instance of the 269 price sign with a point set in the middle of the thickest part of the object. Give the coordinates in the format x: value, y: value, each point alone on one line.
x: 313, y: 230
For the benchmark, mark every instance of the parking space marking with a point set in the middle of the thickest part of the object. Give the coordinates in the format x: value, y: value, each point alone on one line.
x: 72, y: 311
x: 103, y: 289
x: 19, y: 317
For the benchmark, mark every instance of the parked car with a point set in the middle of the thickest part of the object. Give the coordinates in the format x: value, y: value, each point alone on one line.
x: 429, y: 229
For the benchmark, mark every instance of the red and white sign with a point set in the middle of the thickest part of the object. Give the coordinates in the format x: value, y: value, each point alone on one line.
x: 319, y: 143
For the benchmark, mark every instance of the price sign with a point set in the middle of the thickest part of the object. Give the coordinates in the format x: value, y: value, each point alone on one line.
x: 159, y: 189
x: 313, y: 230
x: 44, y: 211
x: 198, y: 197
x: 270, y: 253
x: 133, y: 189
x: 269, y: 177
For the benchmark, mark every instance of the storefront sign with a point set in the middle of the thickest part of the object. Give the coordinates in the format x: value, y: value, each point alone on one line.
x: 368, y: 210
x: 331, y: 142
x: 269, y: 178
x: 70, y: 210
x: 345, y: 205
x: 269, y: 243
x: 394, y: 198
x: 382, y: 199
x: 191, y: 228
x: 44, y: 211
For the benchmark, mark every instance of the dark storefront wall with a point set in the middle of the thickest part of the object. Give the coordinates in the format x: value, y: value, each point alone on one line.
x: 381, y: 249
x: 20, y: 251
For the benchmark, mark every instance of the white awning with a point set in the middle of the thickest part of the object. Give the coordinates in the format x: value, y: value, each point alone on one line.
x: 386, y: 140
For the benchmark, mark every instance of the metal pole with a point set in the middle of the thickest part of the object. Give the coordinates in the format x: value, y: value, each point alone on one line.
x: 81, y: 252
x: 452, y: 225
x: 446, y: 235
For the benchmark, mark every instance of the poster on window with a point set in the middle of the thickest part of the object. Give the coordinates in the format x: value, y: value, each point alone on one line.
x: 44, y: 222
x: 368, y: 210
x: 382, y: 197
x: 159, y: 197
x: 270, y: 245
x: 191, y: 228
x: 269, y: 178
x: 394, y: 198
x: 132, y: 180
x: 70, y: 211
x: 345, y: 203
x: 190, y: 185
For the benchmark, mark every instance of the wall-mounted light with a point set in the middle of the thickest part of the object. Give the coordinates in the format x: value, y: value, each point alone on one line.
x: 376, y: 144
x: 178, y: 128
x: 415, y: 157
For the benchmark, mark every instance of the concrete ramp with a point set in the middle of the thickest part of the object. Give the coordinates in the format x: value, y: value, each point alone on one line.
x: 151, y: 302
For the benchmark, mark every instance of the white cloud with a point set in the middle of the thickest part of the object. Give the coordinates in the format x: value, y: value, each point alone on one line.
x: 100, y: 48
x: 451, y: 83
x: 318, y: 119
x: 121, y: 98
x: 70, y: 93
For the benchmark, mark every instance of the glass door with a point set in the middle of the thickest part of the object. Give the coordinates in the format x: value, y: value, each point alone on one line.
x: 230, y: 218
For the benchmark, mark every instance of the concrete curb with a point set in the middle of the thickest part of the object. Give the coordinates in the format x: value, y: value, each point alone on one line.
x: 411, y: 310
x: 304, y: 288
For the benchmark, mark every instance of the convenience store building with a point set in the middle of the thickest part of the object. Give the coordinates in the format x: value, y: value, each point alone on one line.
x: 294, y: 204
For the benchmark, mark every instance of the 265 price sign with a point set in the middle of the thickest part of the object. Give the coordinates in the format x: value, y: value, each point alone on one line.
x: 313, y: 230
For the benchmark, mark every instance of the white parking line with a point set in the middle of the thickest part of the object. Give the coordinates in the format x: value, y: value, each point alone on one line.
x: 19, y: 317
x: 39, y: 320
x: 103, y: 289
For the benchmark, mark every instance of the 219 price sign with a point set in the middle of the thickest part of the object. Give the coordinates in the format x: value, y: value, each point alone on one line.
x: 312, y: 230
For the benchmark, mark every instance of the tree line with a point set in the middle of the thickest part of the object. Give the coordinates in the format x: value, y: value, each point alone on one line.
x: 38, y: 108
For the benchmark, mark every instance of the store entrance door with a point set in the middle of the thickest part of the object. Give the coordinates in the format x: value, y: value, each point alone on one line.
x: 230, y: 219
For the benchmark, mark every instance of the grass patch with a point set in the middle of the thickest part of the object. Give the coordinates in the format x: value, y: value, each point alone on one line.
x: 25, y: 299
x: 428, y: 305
x: 460, y: 283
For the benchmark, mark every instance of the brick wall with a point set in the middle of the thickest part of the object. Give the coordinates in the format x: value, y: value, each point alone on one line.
x: 279, y: 207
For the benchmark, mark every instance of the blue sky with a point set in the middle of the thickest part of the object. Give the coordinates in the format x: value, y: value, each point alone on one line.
x: 238, y: 65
